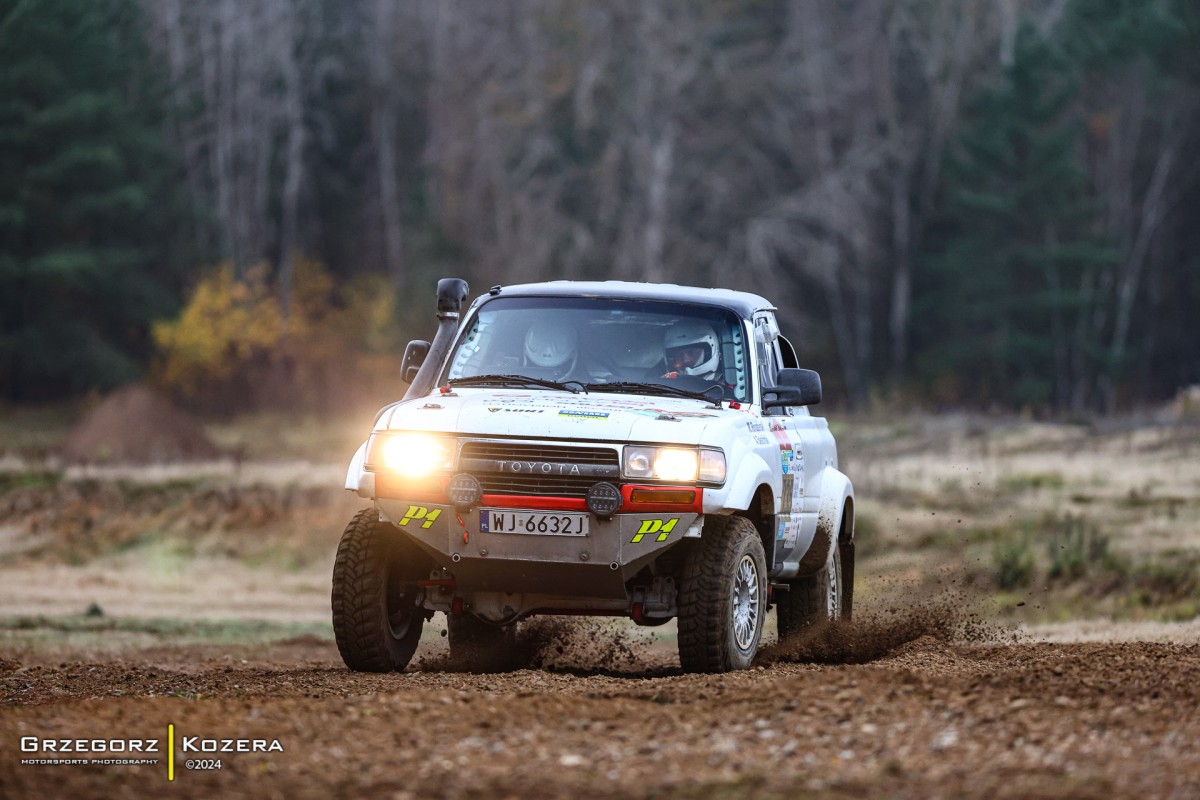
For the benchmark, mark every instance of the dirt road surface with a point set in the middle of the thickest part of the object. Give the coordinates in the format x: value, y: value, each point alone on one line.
x: 933, y: 717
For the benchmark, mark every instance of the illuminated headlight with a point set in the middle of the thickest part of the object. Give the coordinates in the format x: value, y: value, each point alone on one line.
x: 676, y: 464
x: 412, y: 454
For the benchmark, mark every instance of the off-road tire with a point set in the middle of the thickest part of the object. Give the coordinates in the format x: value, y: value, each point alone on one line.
x: 480, y: 646
x: 375, y: 573
x: 708, y: 641
x: 812, y: 599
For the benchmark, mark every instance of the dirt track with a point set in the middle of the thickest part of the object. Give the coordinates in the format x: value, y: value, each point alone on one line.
x: 929, y: 719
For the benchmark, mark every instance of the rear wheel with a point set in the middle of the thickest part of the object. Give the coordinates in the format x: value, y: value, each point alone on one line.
x: 376, y: 620
x: 722, y: 597
x: 814, y: 598
x: 479, y: 645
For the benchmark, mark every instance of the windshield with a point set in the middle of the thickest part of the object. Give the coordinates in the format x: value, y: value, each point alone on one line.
x: 596, y: 341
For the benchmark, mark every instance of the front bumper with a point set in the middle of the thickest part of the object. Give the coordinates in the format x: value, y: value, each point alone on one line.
x: 597, y: 565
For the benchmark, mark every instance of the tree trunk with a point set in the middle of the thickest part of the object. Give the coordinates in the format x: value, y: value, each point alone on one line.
x: 382, y: 74
x: 901, y: 272
x: 218, y: 68
x: 293, y: 118
x: 662, y: 159
x: 1153, y: 207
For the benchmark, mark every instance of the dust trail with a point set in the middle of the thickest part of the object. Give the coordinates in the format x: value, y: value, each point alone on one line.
x: 558, y: 644
x: 873, y: 633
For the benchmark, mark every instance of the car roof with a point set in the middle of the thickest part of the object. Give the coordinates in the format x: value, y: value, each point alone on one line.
x: 743, y: 303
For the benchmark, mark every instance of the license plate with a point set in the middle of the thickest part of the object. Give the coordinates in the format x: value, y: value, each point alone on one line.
x: 535, y: 522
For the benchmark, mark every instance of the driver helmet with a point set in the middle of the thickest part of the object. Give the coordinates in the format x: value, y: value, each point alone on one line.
x: 692, y: 348
x: 550, y: 344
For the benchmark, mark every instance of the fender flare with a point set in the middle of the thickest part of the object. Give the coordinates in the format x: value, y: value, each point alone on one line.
x: 837, y: 493
x: 357, y: 479
x: 752, y: 474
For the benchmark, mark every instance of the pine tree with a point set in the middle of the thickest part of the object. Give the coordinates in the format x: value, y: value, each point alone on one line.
x: 1002, y: 297
x: 86, y: 197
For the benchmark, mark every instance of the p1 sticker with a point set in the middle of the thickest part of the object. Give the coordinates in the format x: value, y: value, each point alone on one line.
x: 662, y: 527
x: 420, y: 514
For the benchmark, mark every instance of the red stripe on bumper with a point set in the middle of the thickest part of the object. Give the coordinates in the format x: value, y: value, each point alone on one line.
x: 535, y: 502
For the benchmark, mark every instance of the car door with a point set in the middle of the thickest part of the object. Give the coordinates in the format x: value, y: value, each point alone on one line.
x: 800, y: 444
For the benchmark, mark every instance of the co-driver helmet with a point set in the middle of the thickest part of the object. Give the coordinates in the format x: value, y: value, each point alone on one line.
x: 551, y: 344
x: 692, y: 348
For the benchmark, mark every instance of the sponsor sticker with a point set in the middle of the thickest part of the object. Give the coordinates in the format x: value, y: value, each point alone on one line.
x: 787, y: 533
x: 577, y: 414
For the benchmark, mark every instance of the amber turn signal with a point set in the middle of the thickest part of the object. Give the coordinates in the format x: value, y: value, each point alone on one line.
x: 681, y: 496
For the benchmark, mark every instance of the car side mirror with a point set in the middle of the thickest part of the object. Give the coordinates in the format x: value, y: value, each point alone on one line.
x: 793, y: 387
x: 414, y: 357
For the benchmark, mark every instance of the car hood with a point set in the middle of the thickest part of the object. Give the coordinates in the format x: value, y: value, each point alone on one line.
x: 548, y: 414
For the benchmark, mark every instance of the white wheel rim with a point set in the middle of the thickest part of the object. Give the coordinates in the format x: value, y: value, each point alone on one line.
x: 745, y: 603
x: 833, y: 606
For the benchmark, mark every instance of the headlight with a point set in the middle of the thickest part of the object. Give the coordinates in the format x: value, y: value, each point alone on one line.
x: 676, y: 464
x: 712, y: 466
x: 412, y: 454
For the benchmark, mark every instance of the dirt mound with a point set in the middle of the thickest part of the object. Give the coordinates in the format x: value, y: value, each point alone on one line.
x: 137, y: 425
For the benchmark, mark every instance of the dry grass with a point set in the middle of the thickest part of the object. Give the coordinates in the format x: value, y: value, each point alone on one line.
x: 1046, y: 521
x: 1037, y: 522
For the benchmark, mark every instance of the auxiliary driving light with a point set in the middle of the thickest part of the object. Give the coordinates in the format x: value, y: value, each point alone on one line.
x: 465, y: 491
x: 603, y: 499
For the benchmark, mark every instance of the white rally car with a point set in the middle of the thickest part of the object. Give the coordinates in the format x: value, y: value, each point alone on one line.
x: 620, y: 449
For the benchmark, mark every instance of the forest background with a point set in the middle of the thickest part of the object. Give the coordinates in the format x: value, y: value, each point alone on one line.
x: 986, y: 204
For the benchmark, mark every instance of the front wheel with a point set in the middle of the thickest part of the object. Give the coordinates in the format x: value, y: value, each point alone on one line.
x: 722, y: 597
x: 376, y: 620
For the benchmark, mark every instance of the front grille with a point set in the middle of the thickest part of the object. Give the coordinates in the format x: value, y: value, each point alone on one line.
x: 503, y: 451
x: 553, y: 487
x: 492, y: 463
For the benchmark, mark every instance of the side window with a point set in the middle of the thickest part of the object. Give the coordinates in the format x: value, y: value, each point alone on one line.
x: 734, y: 358
x: 787, y: 353
x: 768, y: 356
x: 768, y: 364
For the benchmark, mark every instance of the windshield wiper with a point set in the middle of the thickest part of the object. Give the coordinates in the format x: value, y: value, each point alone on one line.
x: 517, y: 380
x: 712, y: 394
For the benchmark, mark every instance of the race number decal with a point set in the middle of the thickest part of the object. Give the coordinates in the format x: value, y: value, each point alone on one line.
x: 660, y: 526
x: 420, y: 514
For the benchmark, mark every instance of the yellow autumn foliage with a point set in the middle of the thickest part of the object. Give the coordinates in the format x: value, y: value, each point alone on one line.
x: 232, y: 348
x: 224, y: 323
